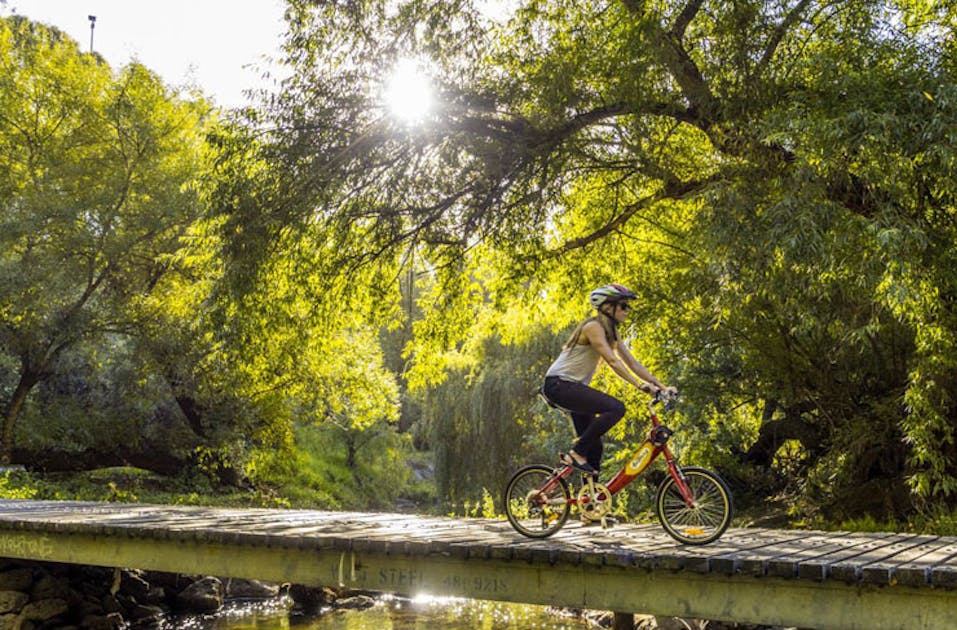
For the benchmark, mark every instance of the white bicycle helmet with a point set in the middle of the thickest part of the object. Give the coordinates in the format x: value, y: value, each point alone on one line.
x: 610, y: 293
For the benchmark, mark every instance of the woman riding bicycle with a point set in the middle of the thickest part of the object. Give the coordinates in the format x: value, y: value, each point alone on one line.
x: 566, y: 382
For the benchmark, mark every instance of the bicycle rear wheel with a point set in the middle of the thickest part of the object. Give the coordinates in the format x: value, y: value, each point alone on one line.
x: 708, y: 516
x: 537, y: 501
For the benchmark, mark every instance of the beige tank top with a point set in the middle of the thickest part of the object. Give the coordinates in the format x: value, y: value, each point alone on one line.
x: 577, y: 363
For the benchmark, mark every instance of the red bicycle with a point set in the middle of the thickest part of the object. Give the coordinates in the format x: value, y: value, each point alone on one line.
x: 693, y: 504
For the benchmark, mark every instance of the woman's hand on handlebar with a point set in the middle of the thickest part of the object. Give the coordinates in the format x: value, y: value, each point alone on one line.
x: 654, y: 390
x: 664, y: 394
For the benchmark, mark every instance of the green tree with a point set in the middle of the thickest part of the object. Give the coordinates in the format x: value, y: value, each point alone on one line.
x: 98, y: 182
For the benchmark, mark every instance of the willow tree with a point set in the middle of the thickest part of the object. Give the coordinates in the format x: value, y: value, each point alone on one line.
x: 776, y: 176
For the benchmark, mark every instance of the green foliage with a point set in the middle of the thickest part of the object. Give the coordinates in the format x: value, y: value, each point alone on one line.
x: 775, y: 180
x: 333, y: 468
x: 102, y: 395
x: 98, y: 182
x: 940, y: 520
x: 483, y: 421
x: 482, y: 508
x: 120, y: 327
x: 9, y: 489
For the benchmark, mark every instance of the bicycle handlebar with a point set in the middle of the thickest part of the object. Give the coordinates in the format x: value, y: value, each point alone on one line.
x: 663, y: 396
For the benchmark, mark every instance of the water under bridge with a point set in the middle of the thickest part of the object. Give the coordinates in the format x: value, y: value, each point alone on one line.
x: 809, y: 579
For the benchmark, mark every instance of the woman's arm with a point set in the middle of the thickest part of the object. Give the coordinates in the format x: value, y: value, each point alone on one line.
x: 637, y: 367
x: 596, y: 337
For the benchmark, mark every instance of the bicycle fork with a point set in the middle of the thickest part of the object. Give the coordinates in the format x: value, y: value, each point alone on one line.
x: 680, y: 480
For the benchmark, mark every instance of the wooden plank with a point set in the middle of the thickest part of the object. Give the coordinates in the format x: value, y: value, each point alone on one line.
x: 913, y: 567
x: 944, y: 574
x: 721, y: 556
x: 751, y: 556
x: 849, y: 569
x: 812, y: 547
x: 633, y: 545
x: 845, y: 546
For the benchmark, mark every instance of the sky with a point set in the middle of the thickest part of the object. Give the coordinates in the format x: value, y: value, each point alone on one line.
x: 219, y: 46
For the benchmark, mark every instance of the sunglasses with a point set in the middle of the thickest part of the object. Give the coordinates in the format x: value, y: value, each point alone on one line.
x: 624, y: 306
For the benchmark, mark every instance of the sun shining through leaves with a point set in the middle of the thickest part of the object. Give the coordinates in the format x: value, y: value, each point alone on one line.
x: 408, y: 92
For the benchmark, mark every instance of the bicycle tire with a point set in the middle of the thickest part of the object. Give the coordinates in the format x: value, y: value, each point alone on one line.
x: 530, y: 513
x: 702, y: 523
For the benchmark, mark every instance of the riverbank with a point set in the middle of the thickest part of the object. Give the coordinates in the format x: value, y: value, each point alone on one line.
x: 37, y: 595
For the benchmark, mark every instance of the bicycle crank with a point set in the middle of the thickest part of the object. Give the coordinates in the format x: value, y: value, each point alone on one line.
x: 594, y: 501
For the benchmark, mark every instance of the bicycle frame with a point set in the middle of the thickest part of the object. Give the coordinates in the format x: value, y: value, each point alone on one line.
x: 650, y: 449
x: 693, y: 504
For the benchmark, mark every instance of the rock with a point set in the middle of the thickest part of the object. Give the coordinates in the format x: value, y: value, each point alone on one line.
x: 133, y: 584
x: 310, y: 599
x: 156, y: 595
x: 86, y: 608
x: 125, y: 601
x: 172, y: 582
x: 113, y: 621
x: 352, y: 592
x: 110, y: 604
x: 12, y: 601
x: 93, y: 589
x: 355, y: 603
x: 10, y: 622
x: 145, y: 612
x: 51, y: 587
x: 250, y: 589
x: 16, y: 580
x: 44, y: 609
x: 600, y: 618
x: 101, y: 576
x: 677, y: 623
x: 203, y: 596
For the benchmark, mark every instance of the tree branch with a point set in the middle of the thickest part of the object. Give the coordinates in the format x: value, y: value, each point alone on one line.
x: 687, y: 14
x: 778, y: 35
x: 674, y: 190
x: 672, y: 55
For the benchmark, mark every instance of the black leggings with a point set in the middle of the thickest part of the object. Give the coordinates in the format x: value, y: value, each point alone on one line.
x: 593, y: 413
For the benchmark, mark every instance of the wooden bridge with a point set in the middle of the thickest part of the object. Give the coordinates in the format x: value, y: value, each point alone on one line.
x: 808, y: 579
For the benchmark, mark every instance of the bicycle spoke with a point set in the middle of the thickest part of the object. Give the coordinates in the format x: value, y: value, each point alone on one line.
x: 536, y: 502
x: 708, y: 515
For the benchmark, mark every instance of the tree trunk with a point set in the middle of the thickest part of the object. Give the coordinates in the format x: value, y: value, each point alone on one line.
x: 774, y: 433
x: 351, y: 452
x: 28, y: 378
x: 151, y: 457
x: 193, y: 413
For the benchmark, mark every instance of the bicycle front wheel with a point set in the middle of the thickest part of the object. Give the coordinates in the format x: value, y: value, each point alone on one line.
x: 708, y: 515
x: 537, y: 501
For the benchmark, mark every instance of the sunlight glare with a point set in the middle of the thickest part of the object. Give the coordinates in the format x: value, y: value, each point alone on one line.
x: 408, y: 92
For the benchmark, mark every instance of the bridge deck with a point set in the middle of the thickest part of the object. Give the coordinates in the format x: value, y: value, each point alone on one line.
x: 872, y: 558
x: 751, y: 574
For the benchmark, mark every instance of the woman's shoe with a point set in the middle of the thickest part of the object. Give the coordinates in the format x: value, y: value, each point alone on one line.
x: 585, y: 467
